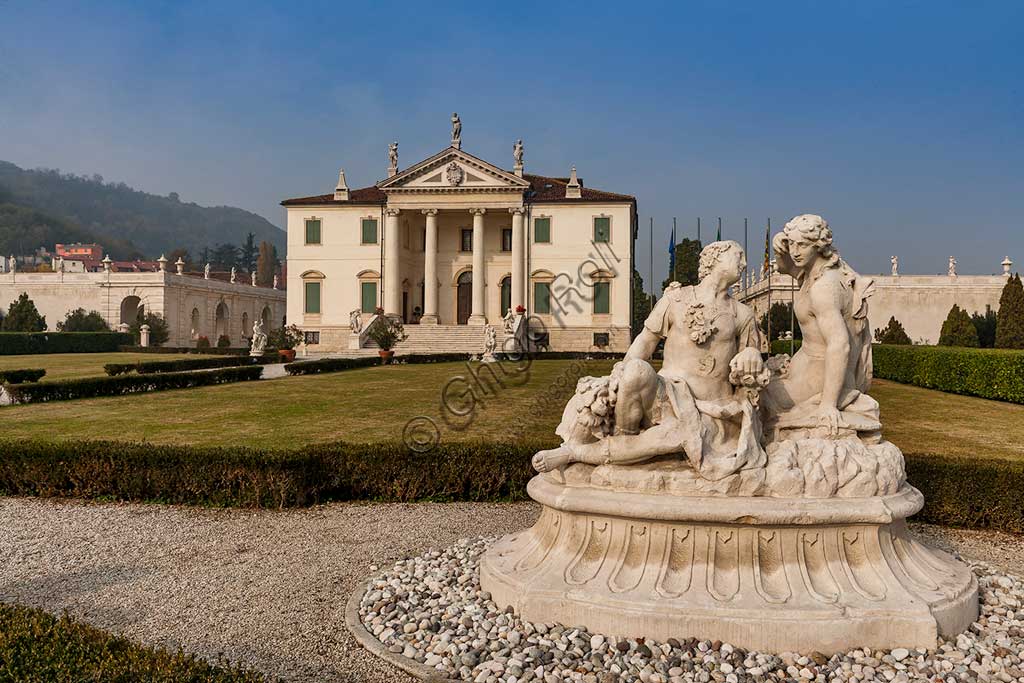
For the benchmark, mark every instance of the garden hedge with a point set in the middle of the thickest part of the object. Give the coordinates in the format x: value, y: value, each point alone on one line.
x: 782, y: 346
x: 21, y: 343
x: 184, y: 364
x: 989, y: 373
x: 21, y: 376
x: 90, y: 387
x: 311, y: 367
x: 958, y: 491
x: 35, y: 646
x: 241, y: 351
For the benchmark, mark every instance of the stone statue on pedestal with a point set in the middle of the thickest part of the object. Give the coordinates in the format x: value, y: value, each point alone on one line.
x: 517, y: 153
x: 733, y: 498
x: 456, y: 131
x: 259, y: 339
x: 490, y: 344
x: 393, y: 156
x: 234, y: 274
x: 952, y: 267
x: 895, y: 261
x: 509, y: 321
x: 206, y: 272
x: 355, y: 320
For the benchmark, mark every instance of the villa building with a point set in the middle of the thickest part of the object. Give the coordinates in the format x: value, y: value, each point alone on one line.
x: 454, y: 242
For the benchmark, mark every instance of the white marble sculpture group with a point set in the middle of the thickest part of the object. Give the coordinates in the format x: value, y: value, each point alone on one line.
x: 728, y: 497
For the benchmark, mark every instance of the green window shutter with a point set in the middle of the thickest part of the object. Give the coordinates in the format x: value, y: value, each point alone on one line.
x: 542, y: 230
x: 506, y: 296
x: 368, y: 296
x: 602, y: 229
x: 369, y: 231
x: 542, y: 297
x: 602, y: 295
x: 312, y: 231
x: 312, y: 297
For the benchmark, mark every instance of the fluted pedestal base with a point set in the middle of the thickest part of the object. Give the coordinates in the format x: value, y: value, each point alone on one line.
x: 770, y: 574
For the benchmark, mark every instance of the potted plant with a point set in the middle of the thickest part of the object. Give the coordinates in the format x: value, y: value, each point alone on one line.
x: 520, y: 309
x: 386, y: 333
x: 285, y: 339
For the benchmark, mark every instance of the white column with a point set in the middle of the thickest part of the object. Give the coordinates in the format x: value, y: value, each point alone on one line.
x: 477, y: 315
x: 392, y: 285
x: 430, y: 269
x: 518, y: 259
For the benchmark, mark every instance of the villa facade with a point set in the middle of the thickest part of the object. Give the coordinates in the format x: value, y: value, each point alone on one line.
x: 454, y: 241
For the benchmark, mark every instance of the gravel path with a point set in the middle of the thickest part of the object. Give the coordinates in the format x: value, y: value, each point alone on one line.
x: 265, y: 589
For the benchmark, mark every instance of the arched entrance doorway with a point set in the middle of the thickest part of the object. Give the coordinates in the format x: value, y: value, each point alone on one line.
x: 464, y: 297
x: 194, y: 334
x: 506, y: 294
x: 265, y: 316
x: 131, y: 309
x: 221, y: 324
x: 246, y: 331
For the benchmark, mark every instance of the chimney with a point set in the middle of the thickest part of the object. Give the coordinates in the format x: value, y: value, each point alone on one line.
x: 573, y: 189
x: 341, y: 191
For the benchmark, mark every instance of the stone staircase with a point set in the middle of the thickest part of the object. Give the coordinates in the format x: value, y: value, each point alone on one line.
x: 442, y: 339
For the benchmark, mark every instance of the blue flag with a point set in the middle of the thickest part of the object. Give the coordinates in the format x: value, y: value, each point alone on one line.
x: 672, y: 253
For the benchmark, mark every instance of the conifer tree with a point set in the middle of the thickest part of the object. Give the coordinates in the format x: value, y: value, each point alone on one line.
x: 23, y: 316
x: 893, y: 333
x: 958, y: 330
x: 1010, y: 319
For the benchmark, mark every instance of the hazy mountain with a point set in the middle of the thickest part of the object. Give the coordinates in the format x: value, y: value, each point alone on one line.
x: 23, y: 230
x: 115, y: 213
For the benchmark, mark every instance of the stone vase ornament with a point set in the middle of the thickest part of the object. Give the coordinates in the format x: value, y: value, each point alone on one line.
x: 727, y: 498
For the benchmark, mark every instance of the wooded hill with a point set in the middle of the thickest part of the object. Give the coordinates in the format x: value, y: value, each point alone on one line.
x: 44, y: 206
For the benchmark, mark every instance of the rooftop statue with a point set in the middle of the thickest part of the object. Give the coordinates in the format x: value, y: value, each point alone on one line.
x: 456, y: 130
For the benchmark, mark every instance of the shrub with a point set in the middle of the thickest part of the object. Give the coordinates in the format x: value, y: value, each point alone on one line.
x: 783, y: 346
x: 316, y: 367
x: 958, y: 330
x: 35, y: 646
x: 80, y: 321
x: 158, y: 332
x: 1010, y: 320
x: 893, y: 333
x: 21, y: 343
x: 985, y: 324
x: 780, y: 315
x: 185, y: 364
x: 23, y: 316
x: 203, y: 343
x: 386, y: 332
x: 989, y: 373
x: 284, y: 337
x: 208, y: 351
x: 20, y: 376
x: 223, y: 341
x: 958, y: 491
x: 90, y: 387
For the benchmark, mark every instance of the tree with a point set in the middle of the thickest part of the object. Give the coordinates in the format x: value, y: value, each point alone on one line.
x: 642, y: 303
x: 23, y: 316
x: 80, y: 321
x: 958, y: 330
x: 986, y: 327
x: 780, y: 319
x: 893, y: 333
x: 249, y: 253
x: 266, y: 264
x: 225, y: 256
x: 687, y: 260
x: 1010, y: 321
x: 158, y: 332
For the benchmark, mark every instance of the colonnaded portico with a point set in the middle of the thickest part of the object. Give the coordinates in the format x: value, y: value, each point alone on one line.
x: 463, y: 242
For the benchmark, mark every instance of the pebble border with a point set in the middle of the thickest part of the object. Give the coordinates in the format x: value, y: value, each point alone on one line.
x: 990, y: 650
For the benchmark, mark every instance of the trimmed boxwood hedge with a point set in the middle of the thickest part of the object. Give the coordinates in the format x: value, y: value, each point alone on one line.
x: 311, y: 367
x: 782, y: 346
x: 958, y: 491
x: 20, y: 376
x: 182, y: 365
x: 208, y: 351
x: 989, y: 373
x: 35, y: 646
x: 90, y: 387
x: 21, y: 343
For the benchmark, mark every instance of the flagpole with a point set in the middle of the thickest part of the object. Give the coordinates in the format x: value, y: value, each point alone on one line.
x: 768, y: 264
x: 719, y: 236
x: 792, y: 313
x: 651, y: 272
x: 746, y: 254
x: 698, y: 230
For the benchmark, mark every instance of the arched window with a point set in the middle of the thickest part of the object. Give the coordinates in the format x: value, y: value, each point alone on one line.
x: 542, y: 281
x: 369, y: 290
x: 312, y: 292
x: 601, y: 284
x: 246, y: 331
x: 194, y: 321
x: 131, y: 309
x: 221, y: 319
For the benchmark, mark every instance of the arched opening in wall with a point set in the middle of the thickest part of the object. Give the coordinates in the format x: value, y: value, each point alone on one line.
x: 131, y: 309
x: 464, y: 297
x: 265, y: 316
x: 246, y: 332
x: 194, y: 322
x: 506, y: 294
x: 221, y: 320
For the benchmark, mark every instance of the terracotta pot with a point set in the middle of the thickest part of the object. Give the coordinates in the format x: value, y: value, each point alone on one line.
x: 386, y: 356
x: 287, y: 355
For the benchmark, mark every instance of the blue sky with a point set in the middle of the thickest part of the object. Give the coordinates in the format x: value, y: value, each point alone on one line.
x: 900, y: 122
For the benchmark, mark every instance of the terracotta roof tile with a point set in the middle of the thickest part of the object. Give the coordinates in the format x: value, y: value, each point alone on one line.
x: 365, y: 195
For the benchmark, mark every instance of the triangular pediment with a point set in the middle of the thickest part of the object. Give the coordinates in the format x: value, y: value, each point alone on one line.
x: 453, y: 170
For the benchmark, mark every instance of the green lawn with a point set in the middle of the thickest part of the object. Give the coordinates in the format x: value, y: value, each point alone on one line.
x: 70, y: 365
x: 375, y: 404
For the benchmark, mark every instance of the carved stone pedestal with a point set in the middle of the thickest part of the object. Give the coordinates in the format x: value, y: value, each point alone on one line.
x: 770, y: 574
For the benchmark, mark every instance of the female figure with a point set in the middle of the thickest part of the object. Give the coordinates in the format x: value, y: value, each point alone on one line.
x: 832, y: 369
